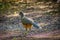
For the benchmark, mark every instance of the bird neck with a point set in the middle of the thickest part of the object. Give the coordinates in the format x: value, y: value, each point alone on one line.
x: 22, y: 16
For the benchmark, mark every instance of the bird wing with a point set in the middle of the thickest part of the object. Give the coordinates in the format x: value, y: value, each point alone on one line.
x: 27, y: 20
x: 30, y: 21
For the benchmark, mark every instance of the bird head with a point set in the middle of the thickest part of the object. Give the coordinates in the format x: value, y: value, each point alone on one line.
x: 21, y: 14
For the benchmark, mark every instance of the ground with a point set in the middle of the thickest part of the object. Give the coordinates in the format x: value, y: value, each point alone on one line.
x: 12, y: 29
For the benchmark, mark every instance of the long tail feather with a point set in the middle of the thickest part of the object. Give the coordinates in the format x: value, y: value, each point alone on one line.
x: 35, y: 25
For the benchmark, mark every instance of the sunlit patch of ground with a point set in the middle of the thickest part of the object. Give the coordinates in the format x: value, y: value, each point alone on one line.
x: 43, y: 24
x: 13, y: 15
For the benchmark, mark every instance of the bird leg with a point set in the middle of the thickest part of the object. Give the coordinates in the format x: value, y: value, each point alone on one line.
x: 27, y: 27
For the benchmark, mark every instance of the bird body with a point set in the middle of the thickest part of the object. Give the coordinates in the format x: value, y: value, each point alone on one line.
x: 27, y: 22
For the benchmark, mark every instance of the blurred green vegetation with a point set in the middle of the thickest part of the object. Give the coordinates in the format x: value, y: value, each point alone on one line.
x: 14, y: 38
x: 4, y: 7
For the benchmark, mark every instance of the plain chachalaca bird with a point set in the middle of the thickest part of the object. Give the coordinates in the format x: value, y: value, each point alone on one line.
x: 28, y: 22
